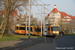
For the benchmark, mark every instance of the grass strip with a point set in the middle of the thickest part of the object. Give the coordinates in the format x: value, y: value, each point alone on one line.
x: 15, y: 37
x: 69, y: 34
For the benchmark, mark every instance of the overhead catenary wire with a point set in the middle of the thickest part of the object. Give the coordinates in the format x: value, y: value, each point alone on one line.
x: 42, y: 2
x: 43, y: 5
x: 37, y: 7
x: 44, y: 17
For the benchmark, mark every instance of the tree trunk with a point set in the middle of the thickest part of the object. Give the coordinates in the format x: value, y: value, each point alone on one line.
x: 7, y: 15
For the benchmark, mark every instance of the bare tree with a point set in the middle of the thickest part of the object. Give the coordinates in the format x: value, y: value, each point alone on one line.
x: 9, y: 6
x: 72, y: 25
x: 62, y: 25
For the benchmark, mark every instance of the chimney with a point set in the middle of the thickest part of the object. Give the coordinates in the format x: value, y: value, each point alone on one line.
x: 54, y: 6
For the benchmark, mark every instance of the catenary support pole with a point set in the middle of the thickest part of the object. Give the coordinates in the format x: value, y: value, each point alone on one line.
x: 26, y: 23
x: 44, y: 21
x: 29, y: 19
x: 41, y: 21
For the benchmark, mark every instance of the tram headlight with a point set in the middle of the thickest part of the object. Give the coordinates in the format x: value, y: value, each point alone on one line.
x: 53, y: 31
x: 57, y: 31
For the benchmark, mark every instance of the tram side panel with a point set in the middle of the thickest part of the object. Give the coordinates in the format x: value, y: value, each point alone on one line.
x: 20, y: 29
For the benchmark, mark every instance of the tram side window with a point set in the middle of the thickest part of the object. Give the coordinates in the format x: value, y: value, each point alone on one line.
x: 16, y: 28
x: 51, y: 28
x: 30, y: 28
x: 48, y: 28
x: 27, y: 28
x: 38, y: 29
x: 22, y: 28
x: 35, y: 28
x: 42, y: 28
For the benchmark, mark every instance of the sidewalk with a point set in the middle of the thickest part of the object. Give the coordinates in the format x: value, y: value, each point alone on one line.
x: 16, y: 43
x: 41, y: 46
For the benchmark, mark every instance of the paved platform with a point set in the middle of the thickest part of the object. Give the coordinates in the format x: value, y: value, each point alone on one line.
x: 18, y: 42
x: 42, y: 46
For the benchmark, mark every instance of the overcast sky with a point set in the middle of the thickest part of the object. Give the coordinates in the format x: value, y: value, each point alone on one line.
x: 67, y: 6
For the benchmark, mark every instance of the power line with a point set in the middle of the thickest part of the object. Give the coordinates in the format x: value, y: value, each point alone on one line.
x: 44, y: 16
x: 45, y: 7
x: 37, y: 7
x: 42, y: 2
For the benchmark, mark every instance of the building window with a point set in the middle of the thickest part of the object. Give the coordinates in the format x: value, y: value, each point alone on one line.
x: 57, y: 18
x: 58, y: 15
x: 64, y: 19
x: 63, y: 16
x: 52, y: 15
x: 73, y: 18
x: 18, y: 19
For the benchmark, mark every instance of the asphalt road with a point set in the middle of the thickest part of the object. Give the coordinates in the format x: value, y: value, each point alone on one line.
x: 65, y: 43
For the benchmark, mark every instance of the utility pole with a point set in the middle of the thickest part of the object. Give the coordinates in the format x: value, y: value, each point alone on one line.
x: 29, y: 19
x: 44, y: 16
x: 41, y: 21
x: 41, y: 15
x: 26, y: 23
x: 44, y: 21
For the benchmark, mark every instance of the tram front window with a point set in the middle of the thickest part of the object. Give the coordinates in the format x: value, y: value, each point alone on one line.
x: 54, y: 28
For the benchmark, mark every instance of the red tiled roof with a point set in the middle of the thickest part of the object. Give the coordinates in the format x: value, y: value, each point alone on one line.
x: 14, y: 13
x: 65, y: 21
x: 48, y: 15
x: 73, y: 18
x: 1, y: 12
x: 54, y: 10
x: 63, y: 14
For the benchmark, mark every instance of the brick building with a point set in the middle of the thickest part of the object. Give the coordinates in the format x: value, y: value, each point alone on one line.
x: 21, y: 19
